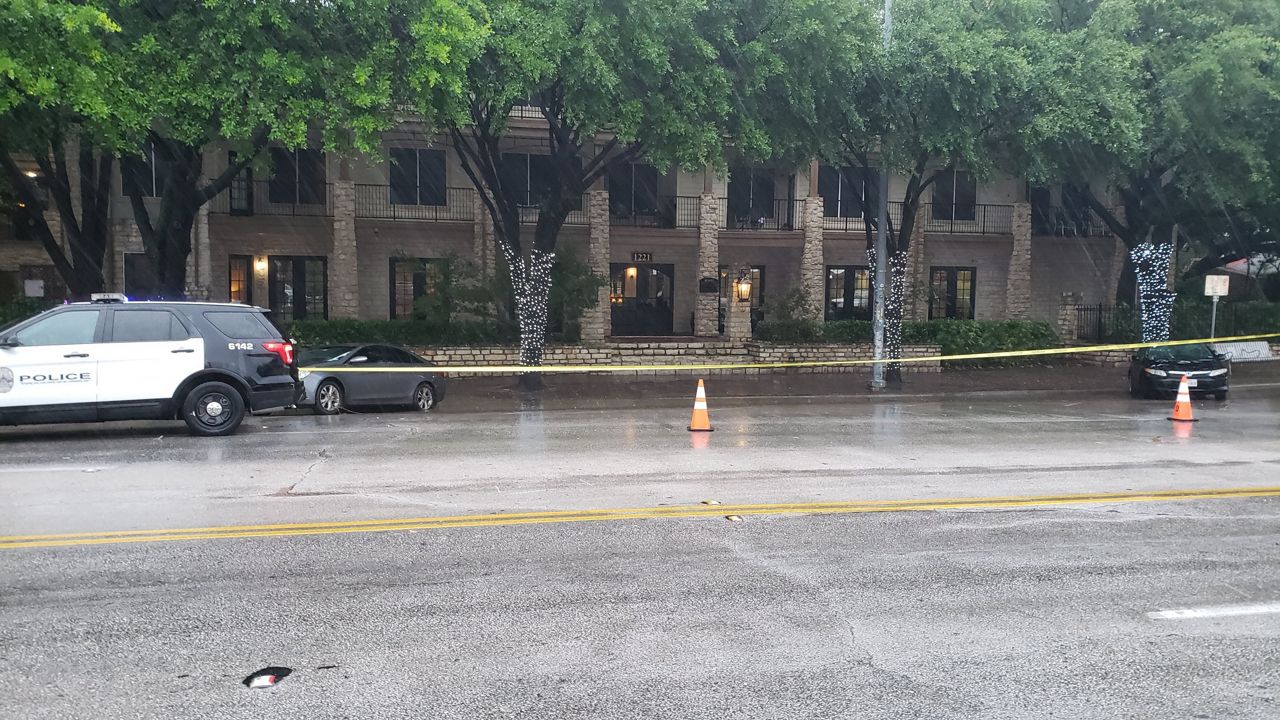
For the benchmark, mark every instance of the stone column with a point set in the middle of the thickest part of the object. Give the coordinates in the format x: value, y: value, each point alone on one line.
x: 485, y: 246
x: 737, y: 322
x: 914, y: 298
x: 706, y: 310
x: 1017, y: 298
x: 597, y: 321
x: 813, y: 274
x: 1068, y: 318
x: 344, y: 274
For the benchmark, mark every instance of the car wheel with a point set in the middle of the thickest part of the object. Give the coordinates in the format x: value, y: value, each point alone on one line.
x: 1220, y: 395
x: 424, y: 397
x: 329, y: 400
x: 212, y: 409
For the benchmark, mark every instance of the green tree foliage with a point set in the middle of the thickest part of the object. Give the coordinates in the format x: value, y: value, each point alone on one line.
x: 57, y: 86
x: 1207, y: 150
x: 250, y: 72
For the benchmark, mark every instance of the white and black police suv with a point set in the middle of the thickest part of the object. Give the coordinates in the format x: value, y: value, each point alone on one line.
x: 110, y: 359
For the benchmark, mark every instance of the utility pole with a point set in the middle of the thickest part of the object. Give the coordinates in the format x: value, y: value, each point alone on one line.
x: 882, y: 244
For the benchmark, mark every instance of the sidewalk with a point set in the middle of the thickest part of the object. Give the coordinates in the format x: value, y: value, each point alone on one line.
x: 596, y: 391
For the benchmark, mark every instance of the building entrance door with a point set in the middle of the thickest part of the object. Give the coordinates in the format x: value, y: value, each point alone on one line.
x: 641, y: 297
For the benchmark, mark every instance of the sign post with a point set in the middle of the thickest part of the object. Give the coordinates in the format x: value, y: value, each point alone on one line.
x: 1215, y: 286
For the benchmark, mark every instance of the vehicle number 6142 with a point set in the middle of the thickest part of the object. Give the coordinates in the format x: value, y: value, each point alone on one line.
x: 239, y: 346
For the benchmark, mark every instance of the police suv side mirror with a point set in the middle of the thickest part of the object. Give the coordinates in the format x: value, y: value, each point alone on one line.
x: 9, y: 342
x: 358, y: 359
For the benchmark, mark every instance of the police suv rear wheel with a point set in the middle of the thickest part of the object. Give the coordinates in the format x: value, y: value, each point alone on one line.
x: 213, y: 409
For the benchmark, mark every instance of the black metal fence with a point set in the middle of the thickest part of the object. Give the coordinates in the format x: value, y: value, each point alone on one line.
x: 1067, y: 222
x: 381, y: 202
x: 1107, y: 323
x: 855, y: 223
x: 970, y: 219
x: 671, y: 212
x: 777, y: 215
x: 270, y: 197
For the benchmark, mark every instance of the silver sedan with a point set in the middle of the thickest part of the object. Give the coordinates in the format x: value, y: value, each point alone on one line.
x: 329, y: 387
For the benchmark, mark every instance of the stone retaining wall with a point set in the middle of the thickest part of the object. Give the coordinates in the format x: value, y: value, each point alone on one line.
x: 681, y: 353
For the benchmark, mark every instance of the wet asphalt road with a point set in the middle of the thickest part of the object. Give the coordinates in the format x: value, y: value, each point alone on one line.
x: 992, y: 613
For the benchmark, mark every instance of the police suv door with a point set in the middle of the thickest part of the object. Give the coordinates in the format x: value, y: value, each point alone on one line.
x: 49, y: 367
x: 148, y: 353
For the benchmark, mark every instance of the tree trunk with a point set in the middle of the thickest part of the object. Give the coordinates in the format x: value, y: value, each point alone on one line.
x: 1151, y: 267
x: 170, y: 247
x: 531, y: 281
x: 893, y: 310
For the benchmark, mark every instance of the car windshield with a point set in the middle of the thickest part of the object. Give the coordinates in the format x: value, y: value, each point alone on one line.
x: 1180, y: 353
x: 323, y: 354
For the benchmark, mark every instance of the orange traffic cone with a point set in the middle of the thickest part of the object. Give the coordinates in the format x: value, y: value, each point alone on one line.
x: 1182, y: 406
x: 701, y: 421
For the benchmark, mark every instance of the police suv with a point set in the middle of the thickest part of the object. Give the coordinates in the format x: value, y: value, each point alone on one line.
x: 110, y: 359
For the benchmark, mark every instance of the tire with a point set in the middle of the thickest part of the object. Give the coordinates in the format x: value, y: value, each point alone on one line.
x: 1220, y: 395
x: 424, y: 397
x: 329, y: 398
x: 213, y: 409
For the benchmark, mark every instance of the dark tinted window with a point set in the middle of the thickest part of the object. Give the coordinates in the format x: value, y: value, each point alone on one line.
x: 404, y: 358
x: 1180, y: 353
x: 240, y: 325
x: 146, y: 326
x: 75, y: 327
x: 379, y: 354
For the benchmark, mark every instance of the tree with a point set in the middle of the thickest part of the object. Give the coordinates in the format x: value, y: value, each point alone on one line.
x: 962, y: 86
x: 249, y: 72
x: 1209, y: 103
x: 57, y: 93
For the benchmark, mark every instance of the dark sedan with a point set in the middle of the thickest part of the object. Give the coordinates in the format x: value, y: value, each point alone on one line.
x: 1158, y: 371
x: 405, y: 378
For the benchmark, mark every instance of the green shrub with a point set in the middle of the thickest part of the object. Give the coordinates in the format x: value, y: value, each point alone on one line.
x: 847, y: 331
x: 21, y: 309
x: 1193, y: 317
x: 399, y: 332
x: 789, y: 331
x: 964, y: 337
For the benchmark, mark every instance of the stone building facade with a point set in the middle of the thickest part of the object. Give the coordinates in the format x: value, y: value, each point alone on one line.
x: 357, y: 239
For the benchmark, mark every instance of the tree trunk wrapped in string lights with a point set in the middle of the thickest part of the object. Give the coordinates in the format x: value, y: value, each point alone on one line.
x: 1151, y: 267
x: 531, y: 282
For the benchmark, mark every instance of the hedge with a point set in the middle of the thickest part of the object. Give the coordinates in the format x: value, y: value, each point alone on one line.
x: 954, y: 337
x: 398, y: 332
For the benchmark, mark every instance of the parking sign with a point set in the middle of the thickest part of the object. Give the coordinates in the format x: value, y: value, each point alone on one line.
x: 1216, y: 285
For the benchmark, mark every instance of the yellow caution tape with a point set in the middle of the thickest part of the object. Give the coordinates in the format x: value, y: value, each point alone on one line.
x: 780, y: 365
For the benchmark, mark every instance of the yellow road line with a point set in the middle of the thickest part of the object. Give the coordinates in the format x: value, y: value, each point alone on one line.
x: 598, y: 515
x: 568, y: 369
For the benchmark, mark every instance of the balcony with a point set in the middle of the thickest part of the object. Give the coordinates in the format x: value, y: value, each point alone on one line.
x: 264, y: 197
x: 377, y: 202
x: 775, y: 215
x: 671, y: 212
x: 958, y: 220
x: 1067, y: 222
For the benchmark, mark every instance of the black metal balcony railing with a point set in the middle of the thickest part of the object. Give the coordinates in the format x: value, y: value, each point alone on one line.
x: 777, y: 215
x: 266, y: 197
x: 529, y: 215
x: 671, y: 212
x: 1067, y: 222
x: 856, y: 224
x: 380, y: 202
x: 970, y: 219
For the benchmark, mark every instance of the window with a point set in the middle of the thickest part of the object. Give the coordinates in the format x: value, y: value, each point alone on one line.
x: 74, y: 327
x: 633, y: 190
x: 146, y: 326
x: 297, y: 177
x: 847, y: 191
x: 298, y: 287
x: 417, y: 177
x: 241, y: 190
x: 951, y: 292
x: 246, y: 325
x: 955, y: 196
x: 527, y: 177
x: 140, y: 281
x: 411, y: 280
x: 240, y: 279
x: 848, y: 292
x: 750, y: 196
x: 148, y: 171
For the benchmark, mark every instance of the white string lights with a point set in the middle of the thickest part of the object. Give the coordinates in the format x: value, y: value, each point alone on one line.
x: 895, y: 298
x: 531, y: 283
x: 1151, y: 267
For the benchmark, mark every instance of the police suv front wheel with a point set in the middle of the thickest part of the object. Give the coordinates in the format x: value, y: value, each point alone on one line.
x: 213, y: 409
